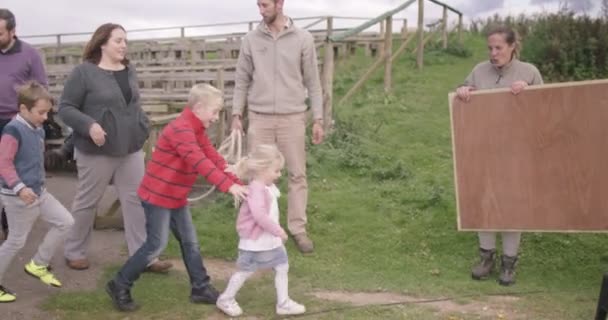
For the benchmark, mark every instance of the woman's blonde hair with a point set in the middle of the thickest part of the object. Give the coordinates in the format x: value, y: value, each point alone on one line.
x: 261, y: 158
x: 204, y: 94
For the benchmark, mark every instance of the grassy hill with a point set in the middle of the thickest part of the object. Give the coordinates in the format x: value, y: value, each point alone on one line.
x: 382, y: 214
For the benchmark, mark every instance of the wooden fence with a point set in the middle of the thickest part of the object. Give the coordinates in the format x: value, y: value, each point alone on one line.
x: 168, y: 67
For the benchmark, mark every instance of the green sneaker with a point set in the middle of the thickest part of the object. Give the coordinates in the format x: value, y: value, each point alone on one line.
x: 6, y: 295
x: 42, y: 273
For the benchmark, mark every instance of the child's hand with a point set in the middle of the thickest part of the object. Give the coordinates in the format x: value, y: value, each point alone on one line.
x: 283, y: 236
x: 240, y: 192
x: 27, y: 195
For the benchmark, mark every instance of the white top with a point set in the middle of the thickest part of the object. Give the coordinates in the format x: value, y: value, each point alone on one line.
x: 266, y: 241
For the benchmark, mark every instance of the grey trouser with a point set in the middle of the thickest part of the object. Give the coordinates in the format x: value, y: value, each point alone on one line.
x: 21, y: 218
x: 95, y: 172
x: 510, y: 242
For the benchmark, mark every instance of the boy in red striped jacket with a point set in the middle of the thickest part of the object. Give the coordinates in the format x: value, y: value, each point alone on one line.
x: 182, y: 152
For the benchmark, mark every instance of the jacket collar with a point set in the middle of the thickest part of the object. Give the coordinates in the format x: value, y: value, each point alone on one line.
x: 192, y: 120
x: 15, y: 48
x: 272, y: 189
x: 263, y: 27
x: 21, y: 119
x: 504, y: 69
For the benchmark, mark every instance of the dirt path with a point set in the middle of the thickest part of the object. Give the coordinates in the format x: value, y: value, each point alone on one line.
x: 495, y: 307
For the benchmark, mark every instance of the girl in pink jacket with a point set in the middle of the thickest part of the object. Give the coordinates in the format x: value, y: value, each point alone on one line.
x: 261, y: 235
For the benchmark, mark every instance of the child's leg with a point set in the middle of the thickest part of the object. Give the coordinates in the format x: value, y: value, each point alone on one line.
x: 285, y: 306
x: 157, y: 230
x: 234, y: 285
x: 21, y: 218
x: 281, y: 282
x: 185, y: 233
x: 53, y: 212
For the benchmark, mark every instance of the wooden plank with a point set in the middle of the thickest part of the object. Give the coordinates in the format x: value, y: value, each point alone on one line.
x: 446, y: 6
x: 365, y: 25
x: 155, y: 108
x: 532, y: 162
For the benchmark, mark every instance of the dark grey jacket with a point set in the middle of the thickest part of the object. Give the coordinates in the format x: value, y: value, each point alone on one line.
x: 92, y: 94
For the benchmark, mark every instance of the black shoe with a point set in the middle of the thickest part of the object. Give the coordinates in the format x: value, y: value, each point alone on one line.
x: 121, y: 298
x: 206, y: 295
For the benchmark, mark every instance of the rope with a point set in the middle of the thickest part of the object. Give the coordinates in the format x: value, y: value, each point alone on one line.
x: 232, y: 151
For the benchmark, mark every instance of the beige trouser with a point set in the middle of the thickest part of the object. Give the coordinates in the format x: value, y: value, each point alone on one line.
x: 510, y: 242
x: 288, y: 132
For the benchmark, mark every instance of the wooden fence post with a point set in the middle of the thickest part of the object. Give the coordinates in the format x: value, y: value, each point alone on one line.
x: 221, y: 128
x: 460, y: 28
x: 404, y: 29
x: 420, y: 57
x: 388, y: 52
x: 328, y: 78
x: 380, y: 45
x: 58, y: 48
x: 445, y: 27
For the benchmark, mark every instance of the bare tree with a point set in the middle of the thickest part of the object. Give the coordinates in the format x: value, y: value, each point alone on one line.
x: 604, y: 11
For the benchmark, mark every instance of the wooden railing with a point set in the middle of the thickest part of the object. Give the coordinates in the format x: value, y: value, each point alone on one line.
x: 386, y: 56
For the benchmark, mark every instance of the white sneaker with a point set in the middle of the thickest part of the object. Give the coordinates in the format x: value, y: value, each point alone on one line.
x: 229, y: 307
x: 290, y: 307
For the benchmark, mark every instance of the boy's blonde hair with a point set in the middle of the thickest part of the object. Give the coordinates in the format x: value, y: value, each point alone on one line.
x: 261, y: 158
x: 205, y: 94
x: 30, y: 92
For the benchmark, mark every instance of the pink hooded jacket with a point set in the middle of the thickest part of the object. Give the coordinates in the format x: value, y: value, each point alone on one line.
x: 254, y: 215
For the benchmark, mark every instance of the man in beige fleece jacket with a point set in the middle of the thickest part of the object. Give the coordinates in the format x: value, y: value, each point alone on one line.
x: 277, y: 66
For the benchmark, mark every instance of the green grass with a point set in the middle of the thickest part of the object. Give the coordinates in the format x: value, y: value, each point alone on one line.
x: 382, y: 214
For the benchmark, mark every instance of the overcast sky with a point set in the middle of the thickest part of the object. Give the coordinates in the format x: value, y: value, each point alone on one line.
x: 35, y: 17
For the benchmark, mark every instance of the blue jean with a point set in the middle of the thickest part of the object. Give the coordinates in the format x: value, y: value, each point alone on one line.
x: 158, y: 222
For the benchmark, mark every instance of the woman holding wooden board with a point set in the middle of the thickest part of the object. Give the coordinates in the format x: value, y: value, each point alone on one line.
x: 503, y: 70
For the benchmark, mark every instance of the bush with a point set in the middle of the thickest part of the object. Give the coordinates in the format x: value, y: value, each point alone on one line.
x: 564, y: 46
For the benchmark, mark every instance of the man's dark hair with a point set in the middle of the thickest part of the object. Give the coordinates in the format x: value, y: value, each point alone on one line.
x: 9, y: 17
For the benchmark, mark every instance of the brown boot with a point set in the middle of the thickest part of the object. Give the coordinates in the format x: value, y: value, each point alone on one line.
x: 484, y: 268
x: 507, y: 270
x: 303, y: 242
x: 78, y: 264
x: 159, y: 267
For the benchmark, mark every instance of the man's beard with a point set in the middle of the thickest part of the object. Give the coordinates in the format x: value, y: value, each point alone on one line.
x: 5, y: 45
x: 271, y: 19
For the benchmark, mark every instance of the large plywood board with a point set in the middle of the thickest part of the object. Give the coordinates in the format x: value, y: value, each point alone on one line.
x: 537, y: 161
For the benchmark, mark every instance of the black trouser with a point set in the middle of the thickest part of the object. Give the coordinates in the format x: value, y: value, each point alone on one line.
x: 4, y: 122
